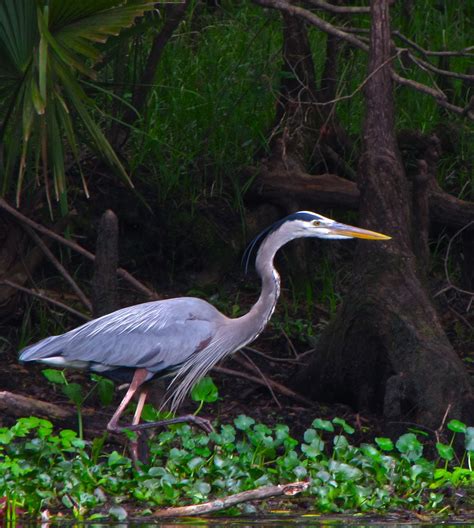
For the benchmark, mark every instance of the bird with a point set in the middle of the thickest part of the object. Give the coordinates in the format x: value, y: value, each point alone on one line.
x: 181, y: 338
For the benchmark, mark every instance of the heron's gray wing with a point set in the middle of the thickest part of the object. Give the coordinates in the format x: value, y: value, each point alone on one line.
x: 156, y: 336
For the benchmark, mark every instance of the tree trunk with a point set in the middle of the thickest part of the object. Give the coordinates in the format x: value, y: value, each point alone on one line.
x: 386, y: 350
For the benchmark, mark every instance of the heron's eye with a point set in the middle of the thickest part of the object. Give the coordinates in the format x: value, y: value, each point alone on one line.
x: 316, y: 223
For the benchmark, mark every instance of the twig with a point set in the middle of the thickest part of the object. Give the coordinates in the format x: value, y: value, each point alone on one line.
x: 290, y: 343
x: 451, y: 286
x: 231, y: 500
x: 443, y: 421
x: 293, y: 361
x: 314, y: 20
x: 44, y: 248
x: 76, y: 247
x: 460, y: 317
x: 466, y: 52
x: 278, y: 387
x: 261, y: 374
x: 331, y: 8
x: 425, y: 65
x: 436, y: 94
x: 46, y: 298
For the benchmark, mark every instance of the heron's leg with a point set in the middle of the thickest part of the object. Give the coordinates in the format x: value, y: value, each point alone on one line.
x: 138, y: 447
x: 138, y: 378
x: 140, y: 405
x: 202, y: 423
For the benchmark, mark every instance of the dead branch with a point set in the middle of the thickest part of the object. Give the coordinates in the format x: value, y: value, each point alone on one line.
x: 466, y: 52
x: 427, y: 66
x: 251, y: 365
x: 272, y: 358
x: 450, y: 285
x: 443, y: 421
x: 76, y: 247
x: 331, y: 190
x: 277, y: 387
x: 44, y: 248
x: 331, y: 8
x: 447, y: 209
x: 223, y: 503
x: 18, y: 406
x: 325, y: 189
x: 43, y: 297
x: 349, y: 36
x: 313, y: 19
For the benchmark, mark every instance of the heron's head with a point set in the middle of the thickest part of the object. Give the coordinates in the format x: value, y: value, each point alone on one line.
x: 306, y: 224
x: 309, y: 224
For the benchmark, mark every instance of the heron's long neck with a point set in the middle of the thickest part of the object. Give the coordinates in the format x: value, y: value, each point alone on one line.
x: 262, y: 310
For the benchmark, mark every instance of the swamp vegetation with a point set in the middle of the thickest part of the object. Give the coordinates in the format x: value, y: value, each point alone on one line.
x: 199, y: 123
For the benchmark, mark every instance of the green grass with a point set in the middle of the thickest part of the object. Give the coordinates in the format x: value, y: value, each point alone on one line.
x: 212, y: 106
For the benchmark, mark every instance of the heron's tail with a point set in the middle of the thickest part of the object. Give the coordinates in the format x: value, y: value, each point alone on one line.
x: 51, y: 346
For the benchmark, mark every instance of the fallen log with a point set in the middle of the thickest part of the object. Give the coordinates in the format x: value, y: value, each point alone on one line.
x: 18, y: 405
x: 223, y: 503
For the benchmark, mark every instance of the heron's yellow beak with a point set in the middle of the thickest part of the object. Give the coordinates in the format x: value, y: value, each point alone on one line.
x: 357, y: 232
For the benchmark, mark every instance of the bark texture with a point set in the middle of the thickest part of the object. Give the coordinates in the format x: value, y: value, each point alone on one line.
x: 386, y: 350
x: 104, y: 282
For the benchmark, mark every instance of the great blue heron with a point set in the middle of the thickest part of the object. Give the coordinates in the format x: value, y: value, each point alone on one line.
x: 182, y: 338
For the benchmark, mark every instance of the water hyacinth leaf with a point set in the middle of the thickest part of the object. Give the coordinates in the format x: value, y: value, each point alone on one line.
x: 325, y: 425
x: 282, y: 435
x: 67, y: 501
x: 205, y: 391
x: 300, y: 472
x: 310, y: 435
x: 348, y: 429
x: 202, y: 488
x: 195, y: 462
x: 106, y: 391
x: 445, y: 451
x: 313, y: 449
x: 370, y: 451
x: 384, y: 443
x: 456, y: 426
x: 243, y: 422
x: 345, y: 471
x: 118, y: 512
x: 410, y: 446
x: 54, y: 376
x: 340, y: 442
x: 74, y: 392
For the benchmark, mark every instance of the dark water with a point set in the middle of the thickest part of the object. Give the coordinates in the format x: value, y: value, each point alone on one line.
x: 315, y: 521
x: 309, y: 520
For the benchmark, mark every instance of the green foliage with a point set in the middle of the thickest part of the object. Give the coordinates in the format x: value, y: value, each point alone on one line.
x: 207, y: 116
x: 45, y: 47
x: 40, y: 468
x: 205, y: 391
x: 75, y: 391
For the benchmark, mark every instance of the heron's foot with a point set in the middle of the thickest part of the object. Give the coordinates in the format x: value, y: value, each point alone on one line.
x: 198, y: 421
x: 202, y: 423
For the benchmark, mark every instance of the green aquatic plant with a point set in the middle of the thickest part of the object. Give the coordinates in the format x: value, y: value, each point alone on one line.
x: 75, y: 391
x: 41, y: 468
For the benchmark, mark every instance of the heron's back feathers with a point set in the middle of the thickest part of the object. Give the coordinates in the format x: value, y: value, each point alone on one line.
x: 159, y: 336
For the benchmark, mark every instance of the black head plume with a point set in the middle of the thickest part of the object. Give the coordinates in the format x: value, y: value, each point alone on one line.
x: 252, y: 248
